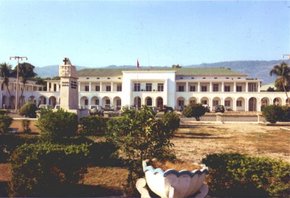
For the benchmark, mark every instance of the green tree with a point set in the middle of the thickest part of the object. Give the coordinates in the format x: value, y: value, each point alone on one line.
x: 57, y: 126
x: 5, y: 73
x: 282, y: 71
x: 5, y: 122
x: 140, y: 135
x: 26, y: 72
x: 28, y: 110
x: 196, y: 111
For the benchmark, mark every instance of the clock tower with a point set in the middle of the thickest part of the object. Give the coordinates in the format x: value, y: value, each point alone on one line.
x: 69, y: 86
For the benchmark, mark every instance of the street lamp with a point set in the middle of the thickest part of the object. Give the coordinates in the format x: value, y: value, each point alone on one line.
x: 17, y: 77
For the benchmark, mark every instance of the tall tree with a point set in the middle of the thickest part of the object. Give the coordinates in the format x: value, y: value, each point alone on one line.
x: 282, y: 71
x: 26, y: 72
x: 5, y: 73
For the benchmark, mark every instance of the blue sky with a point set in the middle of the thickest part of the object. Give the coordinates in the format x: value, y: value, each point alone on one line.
x: 101, y: 33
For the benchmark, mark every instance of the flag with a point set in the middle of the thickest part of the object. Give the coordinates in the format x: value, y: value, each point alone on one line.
x: 138, y: 65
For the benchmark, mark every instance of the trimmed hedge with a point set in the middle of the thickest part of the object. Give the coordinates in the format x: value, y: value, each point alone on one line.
x: 196, y: 111
x: 28, y: 110
x: 55, y: 126
x: 42, y: 169
x: 9, y: 142
x: 236, y: 175
x: 5, y: 122
x: 93, y: 125
x: 275, y: 113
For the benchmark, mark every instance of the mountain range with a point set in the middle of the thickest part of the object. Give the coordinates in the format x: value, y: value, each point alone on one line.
x: 258, y: 69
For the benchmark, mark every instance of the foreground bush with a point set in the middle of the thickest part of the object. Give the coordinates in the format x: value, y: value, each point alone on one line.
x: 140, y: 135
x: 5, y: 122
x: 58, y: 125
x: 236, y: 175
x: 273, y: 113
x: 93, y: 125
x: 28, y: 110
x: 42, y: 169
x: 9, y: 142
x: 286, y: 114
x: 196, y: 111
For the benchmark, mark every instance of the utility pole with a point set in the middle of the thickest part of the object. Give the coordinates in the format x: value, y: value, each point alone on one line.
x: 17, y: 77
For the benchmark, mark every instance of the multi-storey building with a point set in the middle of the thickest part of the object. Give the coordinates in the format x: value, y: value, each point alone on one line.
x: 175, y: 87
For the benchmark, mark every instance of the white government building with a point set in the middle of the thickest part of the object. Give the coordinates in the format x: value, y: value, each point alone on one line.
x: 174, y: 87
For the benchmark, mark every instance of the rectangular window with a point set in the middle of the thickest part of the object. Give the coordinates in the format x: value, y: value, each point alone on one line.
x: 191, y: 88
x: 160, y: 87
x: 97, y: 88
x: 136, y: 86
x: 148, y: 86
x: 108, y: 88
x: 239, y: 88
x: 239, y: 103
x: 119, y: 87
x: 252, y: 87
x: 227, y: 103
x: 227, y: 88
x: 87, y: 88
x: 181, y: 88
x: 203, y: 88
x: 215, y: 87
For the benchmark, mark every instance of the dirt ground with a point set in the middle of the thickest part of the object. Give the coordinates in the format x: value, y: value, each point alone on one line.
x: 199, y: 139
x: 194, y: 143
x: 191, y: 144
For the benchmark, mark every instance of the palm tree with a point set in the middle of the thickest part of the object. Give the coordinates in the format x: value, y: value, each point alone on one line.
x: 5, y: 73
x: 282, y: 71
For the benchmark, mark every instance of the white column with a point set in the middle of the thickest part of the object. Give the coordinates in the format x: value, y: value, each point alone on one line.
x: 186, y: 87
x: 246, y: 86
x: 235, y: 86
x: 223, y: 101
x: 112, y: 86
x: 90, y: 86
x: 101, y: 86
x: 198, y: 86
x: 47, y: 86
x: 79, y: 86
x: 235, y: 104
x: 259, y: 86
x: 258, y: 104
x: 246, y: 104
x: 57, y: 87
x: 210, y: 86
x: 223, y: 86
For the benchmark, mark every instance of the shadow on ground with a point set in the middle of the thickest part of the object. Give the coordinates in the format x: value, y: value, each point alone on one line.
x: 3, y: 189
x: 186, y: 135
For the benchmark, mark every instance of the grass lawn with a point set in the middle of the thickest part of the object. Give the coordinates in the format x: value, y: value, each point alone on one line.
x: 191, y: 144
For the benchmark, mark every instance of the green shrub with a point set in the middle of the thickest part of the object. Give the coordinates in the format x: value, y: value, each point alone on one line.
x: 3, y: 111
x: 273, y: 113
x: 236, y: 175
x: 42, y: 169
x: 9, y: 142
x: 28, y: 110
x: 140, y: 135
x: 196, y: 111
x: 55, y: 126
x: 26, y: 126
x: 5, y: 122
x: 93, y: 125
x: 286, y: 114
